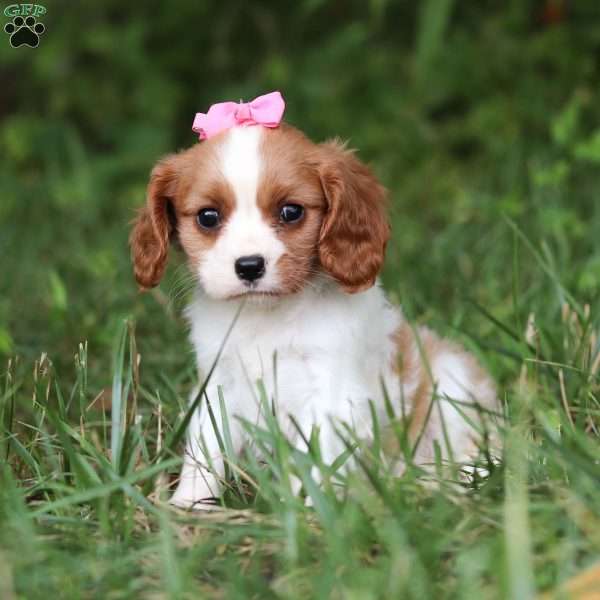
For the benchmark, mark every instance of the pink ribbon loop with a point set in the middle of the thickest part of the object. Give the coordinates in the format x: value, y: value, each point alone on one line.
x: 266, y: 110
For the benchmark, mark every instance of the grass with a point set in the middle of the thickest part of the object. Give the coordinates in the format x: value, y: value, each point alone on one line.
x: 482, y: 121
x: 82, y: 509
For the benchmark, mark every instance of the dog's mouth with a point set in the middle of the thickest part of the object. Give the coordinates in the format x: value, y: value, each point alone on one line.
x: 254, y: 293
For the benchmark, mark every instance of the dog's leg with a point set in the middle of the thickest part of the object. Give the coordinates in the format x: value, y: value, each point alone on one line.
x: 331, y: 447
x: 453, y: 405
x: 203, y: 466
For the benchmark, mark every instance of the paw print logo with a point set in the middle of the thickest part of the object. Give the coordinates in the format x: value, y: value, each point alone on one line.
x: 24, y: 32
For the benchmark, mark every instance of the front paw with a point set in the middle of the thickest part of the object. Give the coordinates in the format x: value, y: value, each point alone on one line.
x: 196, y: 489
x: 184, y: 500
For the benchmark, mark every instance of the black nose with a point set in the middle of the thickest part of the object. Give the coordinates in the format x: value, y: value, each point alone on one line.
x: 250, y: 268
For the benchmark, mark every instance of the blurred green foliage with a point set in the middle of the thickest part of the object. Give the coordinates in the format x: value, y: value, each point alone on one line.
x: 471, y: 113
x: 483, y: 120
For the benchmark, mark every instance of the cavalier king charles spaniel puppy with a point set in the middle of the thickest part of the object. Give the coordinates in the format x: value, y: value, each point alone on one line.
x: 297, y: 231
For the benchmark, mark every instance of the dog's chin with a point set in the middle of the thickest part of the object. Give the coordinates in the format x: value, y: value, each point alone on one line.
x: 257, y: 294
x: 258, y: 297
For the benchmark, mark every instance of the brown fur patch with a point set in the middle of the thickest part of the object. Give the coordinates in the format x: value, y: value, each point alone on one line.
x: 355, y: 229
x: 287, y: 178
x: 414, y: 364
x: 194, y: 239
x: 149, y: 239
x: 180, y: 186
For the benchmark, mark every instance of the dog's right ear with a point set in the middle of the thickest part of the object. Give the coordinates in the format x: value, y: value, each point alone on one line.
x: 153, y: 227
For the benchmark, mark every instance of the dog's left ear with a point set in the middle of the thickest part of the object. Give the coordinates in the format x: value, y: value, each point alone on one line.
x: 355, y: 229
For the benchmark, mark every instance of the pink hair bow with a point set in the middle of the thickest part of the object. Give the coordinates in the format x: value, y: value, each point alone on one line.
x: 265, y: 110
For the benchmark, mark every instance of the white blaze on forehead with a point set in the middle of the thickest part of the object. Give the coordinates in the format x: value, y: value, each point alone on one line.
x: 246, y: 231
x: 241, y: 163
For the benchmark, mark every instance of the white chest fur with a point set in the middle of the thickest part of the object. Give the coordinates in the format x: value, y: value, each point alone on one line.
x: 322, y: 356
x: 319, y: 354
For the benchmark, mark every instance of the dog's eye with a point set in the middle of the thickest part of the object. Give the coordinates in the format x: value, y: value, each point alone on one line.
x: 209, y: 218
x: 290, y: 213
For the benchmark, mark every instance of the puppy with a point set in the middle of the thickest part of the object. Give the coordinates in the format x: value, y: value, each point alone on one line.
x: 296, y: 230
